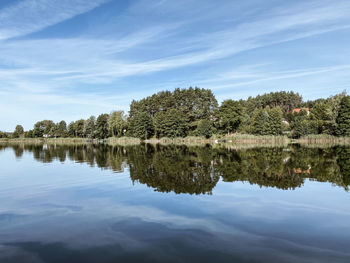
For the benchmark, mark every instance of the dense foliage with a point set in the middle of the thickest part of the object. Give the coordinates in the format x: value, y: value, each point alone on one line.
x: 195, y: 112
x: 171, y: 123
x: 3, y: 135
x: 141, y: 125
x: 229, y: 116
x: 194, y: 104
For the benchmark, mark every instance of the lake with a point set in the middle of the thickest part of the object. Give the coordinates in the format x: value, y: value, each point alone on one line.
x: 144, y: 203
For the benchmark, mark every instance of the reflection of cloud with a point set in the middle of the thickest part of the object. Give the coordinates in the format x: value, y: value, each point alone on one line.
x: 14, y: 254
x: 105, y: 219
x: 134, y: 240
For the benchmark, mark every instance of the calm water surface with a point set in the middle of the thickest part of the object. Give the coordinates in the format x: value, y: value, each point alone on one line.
x: 173, y: 204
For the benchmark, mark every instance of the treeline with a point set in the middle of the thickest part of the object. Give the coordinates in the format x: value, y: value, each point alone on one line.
x: 196, y: 112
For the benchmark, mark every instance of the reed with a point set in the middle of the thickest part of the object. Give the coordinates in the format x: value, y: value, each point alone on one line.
x: 224, y: 139
x: 236, y: 140
x: 322, y: 139
x: 123, y: 141
x: 45, y: 140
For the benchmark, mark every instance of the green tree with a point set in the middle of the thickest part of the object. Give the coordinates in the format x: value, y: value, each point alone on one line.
x: 71, y: 129
x: 205, y: 128
x: 260, y: 122
x: 141, y: 126
x: 102, y: 126
x: 18, y: 132
x: 3, y: 134
x: 343, y: 119
x: 171, y: 123
x: 275, y: 121
x: 89, y: 127
x: 194, y: 103
x: 45, y: 127
x: 79, y: 128
x: 230, y: 116
x: 334, y: 103
x: 302, y: 125
x: 76, y: 129
x: 61, y: 129
x: 321, y: 113
x: 287, y: 101
x: 117, y: 123
x: 29, y: 134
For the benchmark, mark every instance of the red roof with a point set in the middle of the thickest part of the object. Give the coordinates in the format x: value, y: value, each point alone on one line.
x: 299, y: 109
x: 299, y: 171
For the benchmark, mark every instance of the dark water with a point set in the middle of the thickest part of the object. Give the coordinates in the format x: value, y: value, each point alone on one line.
x: 174, y: 204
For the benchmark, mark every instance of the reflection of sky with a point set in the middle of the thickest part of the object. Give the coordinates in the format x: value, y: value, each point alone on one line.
x: 57, y: 212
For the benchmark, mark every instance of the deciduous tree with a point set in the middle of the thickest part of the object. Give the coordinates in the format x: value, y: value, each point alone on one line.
x: 18, y: 132
x: 117, y: 123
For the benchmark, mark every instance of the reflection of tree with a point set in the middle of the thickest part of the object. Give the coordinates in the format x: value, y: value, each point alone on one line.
x: 283, y: 169
x: 172, y: 168
x: 102, y: 156
x: 18, y: 150
x: 116, y: 158
x: 262, y: 166
x: 321, y: 164
x: 344, y: 164
x: 196, y: 170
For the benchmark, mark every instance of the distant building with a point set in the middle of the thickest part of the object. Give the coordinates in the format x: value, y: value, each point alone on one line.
x: 46, y: 135
x: 299, y: 109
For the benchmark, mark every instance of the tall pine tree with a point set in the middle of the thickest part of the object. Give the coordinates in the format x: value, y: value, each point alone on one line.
x: 275, y: 121
x: 343, y: 119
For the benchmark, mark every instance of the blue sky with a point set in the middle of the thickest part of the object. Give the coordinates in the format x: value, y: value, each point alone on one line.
x: 70, y: 59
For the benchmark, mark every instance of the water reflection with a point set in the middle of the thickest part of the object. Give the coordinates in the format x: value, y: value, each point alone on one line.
x: 58, y: 209
x: 197, y: 170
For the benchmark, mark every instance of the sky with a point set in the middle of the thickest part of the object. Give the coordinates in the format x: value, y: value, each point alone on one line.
x: 70, y: 59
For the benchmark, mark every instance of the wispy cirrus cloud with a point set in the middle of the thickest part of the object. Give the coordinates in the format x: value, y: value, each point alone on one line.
x: 29, y: 16
x: 97, y: 60
x: 240, y: 78
x: 155, y: 45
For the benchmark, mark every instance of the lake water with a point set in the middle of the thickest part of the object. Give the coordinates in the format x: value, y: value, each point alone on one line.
x: 87, y: 203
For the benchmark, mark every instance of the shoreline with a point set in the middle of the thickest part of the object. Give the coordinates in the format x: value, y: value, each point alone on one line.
x: 237, y: 139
